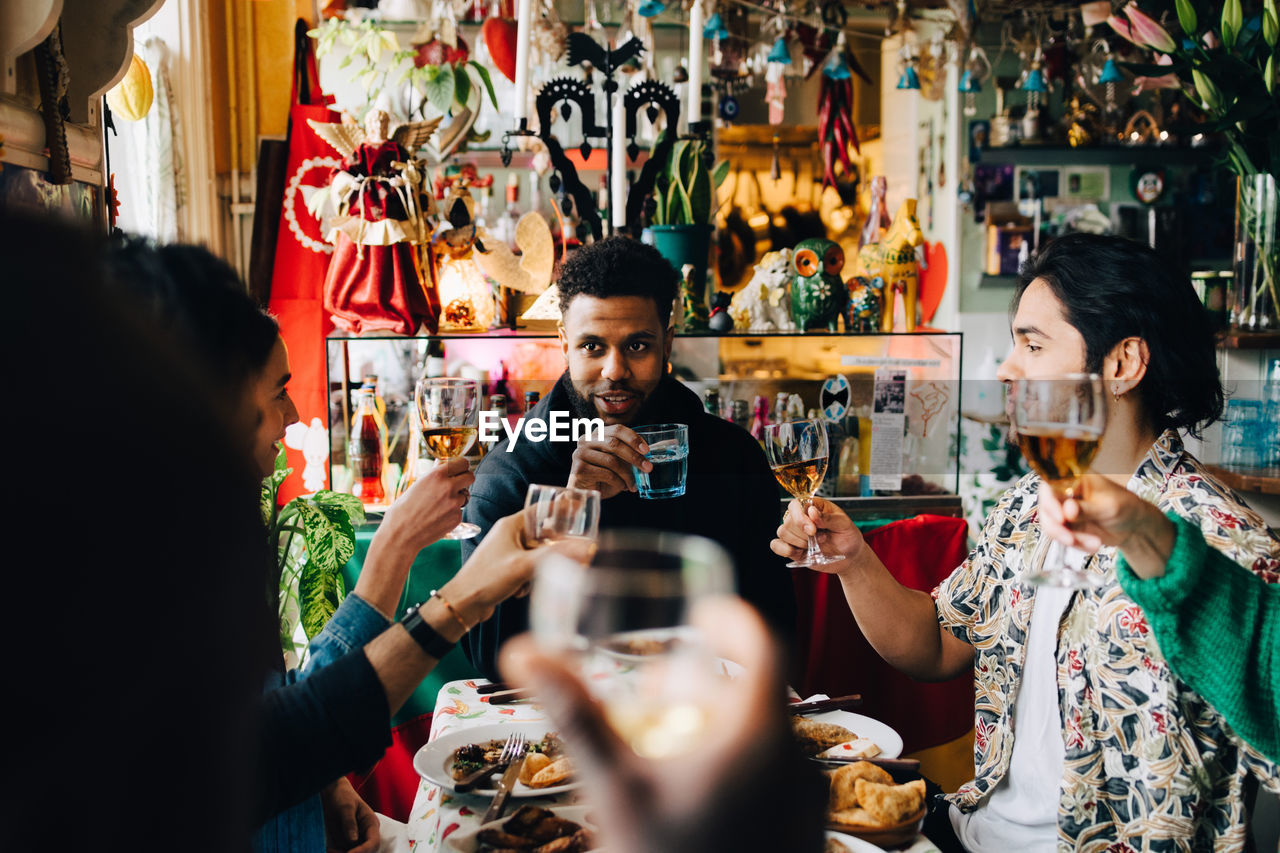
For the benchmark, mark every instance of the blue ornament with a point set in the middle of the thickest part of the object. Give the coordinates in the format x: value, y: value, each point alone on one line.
x: 650, y: 8
x: 779, y: 53
x: 1034, y: 82
x: 1110, y: 73
x: 715, y: 27
x: 969, y: 83
x: 909, y: 79
x: 729, y: 108
x: 836, y: 68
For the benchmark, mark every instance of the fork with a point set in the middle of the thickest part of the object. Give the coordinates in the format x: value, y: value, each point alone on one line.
x: 508, y: 780
x: 511, y: 749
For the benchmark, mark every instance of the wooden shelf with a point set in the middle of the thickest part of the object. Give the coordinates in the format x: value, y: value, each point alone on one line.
x: 1232, y: 339
x: 1264, y: 480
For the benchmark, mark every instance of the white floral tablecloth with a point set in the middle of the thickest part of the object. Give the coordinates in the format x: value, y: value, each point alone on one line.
x: 437, y: 814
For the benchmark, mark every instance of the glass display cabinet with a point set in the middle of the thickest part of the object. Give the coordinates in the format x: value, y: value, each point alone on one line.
x: 891, y: 400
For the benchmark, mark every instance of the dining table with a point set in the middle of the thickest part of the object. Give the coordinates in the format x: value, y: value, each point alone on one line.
x: 438, y: 813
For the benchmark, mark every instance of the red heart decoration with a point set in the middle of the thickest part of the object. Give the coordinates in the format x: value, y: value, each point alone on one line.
x: 500, y: 38
x: 933, y: 281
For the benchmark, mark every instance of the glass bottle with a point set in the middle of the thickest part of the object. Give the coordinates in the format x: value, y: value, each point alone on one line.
x: 364, y: 451
x: 759, y: 417
x: 738, y: 413
x: 711, y: 401
x: 530, y: 400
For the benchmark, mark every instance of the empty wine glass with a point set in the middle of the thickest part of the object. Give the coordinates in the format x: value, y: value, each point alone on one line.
x: 797, y: 452
x: 624, y: 622
x: 1058, y: 423
x: 449, y: 409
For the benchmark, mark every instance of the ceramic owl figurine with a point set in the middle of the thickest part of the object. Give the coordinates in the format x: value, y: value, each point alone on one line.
x: 818, y: 294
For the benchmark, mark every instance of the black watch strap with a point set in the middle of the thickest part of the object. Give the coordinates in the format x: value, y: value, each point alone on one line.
x: 424, y: 635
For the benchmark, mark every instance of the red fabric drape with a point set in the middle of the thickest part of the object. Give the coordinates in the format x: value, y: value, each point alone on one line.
x: 836, y: 659
x: 302, y: 255
x: 374, y: 288
x: 390, y: 787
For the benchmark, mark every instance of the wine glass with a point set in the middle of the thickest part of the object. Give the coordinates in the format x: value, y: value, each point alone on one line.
x: 562, y: 513
x: 624, y: 622
x: 449, y: 409
x: 797, y: 452
x: 1059, y: 423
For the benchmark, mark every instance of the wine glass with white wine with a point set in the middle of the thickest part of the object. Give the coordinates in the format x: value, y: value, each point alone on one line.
x: 1058, y: 423
x: 797, y: 452
x: 626, y: 624
x: 449, y: 409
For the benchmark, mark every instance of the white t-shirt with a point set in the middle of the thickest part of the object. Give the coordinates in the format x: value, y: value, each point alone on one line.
x: 1022, y: 812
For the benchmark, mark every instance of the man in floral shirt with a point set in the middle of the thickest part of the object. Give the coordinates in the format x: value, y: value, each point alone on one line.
x: 1112, y: 751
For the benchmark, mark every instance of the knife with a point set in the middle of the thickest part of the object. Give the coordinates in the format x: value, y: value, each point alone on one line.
x: 505, y: 785
x: 510, y: 696
x: 817, y: 706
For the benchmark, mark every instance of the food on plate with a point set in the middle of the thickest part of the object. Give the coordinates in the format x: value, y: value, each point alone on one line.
x: 864, y: 797
x: 835, y: 846
x: 814, y: 736
x: 537, y: 830
x: 852, y: 750
x: 544, y: 764
x: 890, y: 804
x: 533, y: 762
x: 640, y: 646
x: 843, y: 792
x: 555, y: 773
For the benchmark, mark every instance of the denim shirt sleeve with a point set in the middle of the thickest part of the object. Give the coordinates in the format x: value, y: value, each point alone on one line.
x: 353, y: 624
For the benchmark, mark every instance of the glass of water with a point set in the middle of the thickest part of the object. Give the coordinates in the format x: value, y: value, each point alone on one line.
x: 624, y: 623
x: 669, y: 453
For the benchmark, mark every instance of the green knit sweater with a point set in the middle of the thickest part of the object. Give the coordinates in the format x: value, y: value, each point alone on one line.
x: 1218, y: 626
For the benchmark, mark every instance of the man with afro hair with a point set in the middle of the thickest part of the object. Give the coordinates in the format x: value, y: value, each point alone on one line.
x: 616, y: 299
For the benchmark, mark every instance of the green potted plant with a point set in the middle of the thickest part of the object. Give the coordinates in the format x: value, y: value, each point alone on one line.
x: 314, y: 537
x: 1227, y: 66
x: 684, y: 204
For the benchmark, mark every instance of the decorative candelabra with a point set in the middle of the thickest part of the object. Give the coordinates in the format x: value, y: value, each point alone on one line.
x: 565, y: 92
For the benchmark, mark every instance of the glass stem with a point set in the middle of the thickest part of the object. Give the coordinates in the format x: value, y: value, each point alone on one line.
x: 812, y: 550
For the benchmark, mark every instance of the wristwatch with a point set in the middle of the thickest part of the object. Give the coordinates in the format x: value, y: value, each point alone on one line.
x: 424, y: 635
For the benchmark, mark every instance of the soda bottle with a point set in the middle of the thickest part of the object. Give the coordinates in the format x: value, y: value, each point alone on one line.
x: 530, y: 400
x: 364, y: 451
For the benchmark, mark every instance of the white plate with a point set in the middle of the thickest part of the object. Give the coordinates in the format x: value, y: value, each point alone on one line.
x: 889, y: 741
x: 465, y: 842
x: 433, y: 760
x: 855, y: 845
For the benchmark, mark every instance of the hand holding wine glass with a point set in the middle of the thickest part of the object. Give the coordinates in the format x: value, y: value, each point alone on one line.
x: 798, y: 454
x: 625, y: 624
x: 449, y: 409
x: 1059, y: 423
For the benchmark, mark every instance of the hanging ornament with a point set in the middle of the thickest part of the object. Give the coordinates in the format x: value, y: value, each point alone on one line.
x: 779, y: 54
x: 650, y: 8
x: 976, y: 69
x: 715, y: 28
x: 1109, y: 77
x: 729, y: 108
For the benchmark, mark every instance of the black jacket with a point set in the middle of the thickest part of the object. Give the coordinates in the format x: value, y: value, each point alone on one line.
x: 730, y: 496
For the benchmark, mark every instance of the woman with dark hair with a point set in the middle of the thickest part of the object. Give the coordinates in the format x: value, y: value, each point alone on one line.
x: 331, y: 718
x: 1082, y: 732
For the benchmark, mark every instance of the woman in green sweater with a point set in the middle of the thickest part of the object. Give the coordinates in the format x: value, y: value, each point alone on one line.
x: 1216, y: 622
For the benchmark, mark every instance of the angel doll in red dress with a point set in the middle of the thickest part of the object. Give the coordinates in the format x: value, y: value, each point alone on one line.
x: 378, y: 279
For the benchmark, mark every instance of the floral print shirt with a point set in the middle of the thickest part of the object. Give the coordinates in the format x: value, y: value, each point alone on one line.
x: 1150, y: 765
